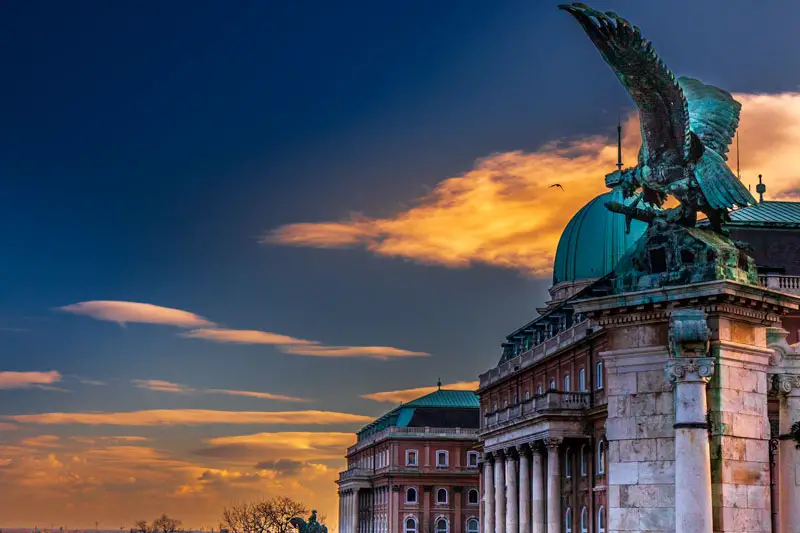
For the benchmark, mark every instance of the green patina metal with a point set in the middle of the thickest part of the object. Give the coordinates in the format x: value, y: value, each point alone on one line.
x: 312, y: 526
x: 686, y: 129
x: 402, y: 415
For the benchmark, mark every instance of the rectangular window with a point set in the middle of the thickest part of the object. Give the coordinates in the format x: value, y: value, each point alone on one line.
x: 472, y: 459
x: 411, y: 457
x: 441, y: 458
x: 599, y: 376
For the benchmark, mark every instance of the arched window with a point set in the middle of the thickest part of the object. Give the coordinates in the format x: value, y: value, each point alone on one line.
x: 527, y: 395
x: 601, y: 520
x: 472, y: 497
x: 539, y: 390
x: 473, y: 526
x: 441, y: 525
x: 601, y: 457
x: 582, y: 379
x: 584, y: 466
x: 584, y: 520
x: 411, y: 495
x: 568, y: 520
x: 567, y: 387
x: 441, y: 496
x: 599, y: 377
x: 553, y: 384
x: 568, y: 463
x: 411, y: 525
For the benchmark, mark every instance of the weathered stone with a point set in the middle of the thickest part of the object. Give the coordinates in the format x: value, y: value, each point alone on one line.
x: 665, y: 449
x: 618, y: 406
x: 733, y: 495
x: 745, y: 473
x: 620, y: 428
x: 657, y: 519
x: 653, y: 381
x: 642, y: 404
x: 656, y: 472
x: 623, y: 473
x: 624, y: 519
x: 613, y: 452
x: 638, y: 496
x: 637, y: 450
x: 621, y: 384
x: 732, y: 448
x: 758, y: 497
x: 666, y: 495
x: 756, y: 450
x: 653, y: 427
x: 665, y: 403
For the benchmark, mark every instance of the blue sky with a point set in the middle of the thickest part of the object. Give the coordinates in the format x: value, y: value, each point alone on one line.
x: 146, y: 149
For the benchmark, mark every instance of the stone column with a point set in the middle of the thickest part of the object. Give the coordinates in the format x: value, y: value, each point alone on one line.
x: 689, y: 370
x: 354, y: 517
x: 524, y: 491
x: 341, y: 511
x: 512, y: 492
x: 553, y: 486
x: 787, y: 387
x: 488, y: 495
x: 537, y: 492
x: 499, y: 493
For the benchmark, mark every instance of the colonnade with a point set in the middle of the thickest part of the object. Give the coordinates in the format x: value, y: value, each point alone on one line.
x: 348, y: 510
x: 514, y: 487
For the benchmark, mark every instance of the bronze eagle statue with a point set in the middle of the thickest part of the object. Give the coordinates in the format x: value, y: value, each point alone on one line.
x: 686, y: 129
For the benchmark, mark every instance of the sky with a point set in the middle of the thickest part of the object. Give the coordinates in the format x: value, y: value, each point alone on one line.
x: 233, y: 233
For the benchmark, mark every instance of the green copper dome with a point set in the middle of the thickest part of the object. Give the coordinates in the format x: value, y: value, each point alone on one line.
x: 594, y: 240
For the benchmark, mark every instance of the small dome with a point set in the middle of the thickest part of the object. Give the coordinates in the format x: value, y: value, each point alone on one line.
x: 594, y: 240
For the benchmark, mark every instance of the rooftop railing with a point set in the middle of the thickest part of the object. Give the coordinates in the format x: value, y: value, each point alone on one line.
x: 549, y: 401
x: 536, y: 353
x: 420, y: 432
x: 355, y: 472
x: 780, y: 282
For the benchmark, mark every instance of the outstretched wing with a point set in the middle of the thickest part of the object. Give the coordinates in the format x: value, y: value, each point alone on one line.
x: 721, y: 188
x: 713, y: 114
x: 663, y: 111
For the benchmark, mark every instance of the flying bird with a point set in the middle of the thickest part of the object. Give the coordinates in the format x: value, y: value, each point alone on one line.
x: 557, y: 185
x: 686, y: 125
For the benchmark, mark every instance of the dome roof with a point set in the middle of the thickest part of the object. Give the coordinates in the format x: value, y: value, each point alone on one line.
x: 594, y: 240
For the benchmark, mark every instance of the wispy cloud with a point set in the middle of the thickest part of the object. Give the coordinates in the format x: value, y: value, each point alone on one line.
x: 42, y: 441
x: 406, y: 395
x: 191, y: 417
x: 24, y: 380
x: 503, y: 213
x: 286, y: 445
x: 168, y: 386
x: 292, y: 345
x: 125, y: 312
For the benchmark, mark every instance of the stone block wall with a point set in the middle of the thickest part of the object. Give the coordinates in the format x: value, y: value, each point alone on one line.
x: 641, y: 443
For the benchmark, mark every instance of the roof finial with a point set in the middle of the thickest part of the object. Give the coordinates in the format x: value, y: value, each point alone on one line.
x: 619, y: 144
x: 439, y: 383
x: 760, y: 189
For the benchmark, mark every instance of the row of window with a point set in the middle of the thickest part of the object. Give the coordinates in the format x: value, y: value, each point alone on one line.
x: 412, y: 496
x: 567, y: 384
x: 442, y: 458
x: 442, y: 525
x: 584, y: 523
x: 601, y: 461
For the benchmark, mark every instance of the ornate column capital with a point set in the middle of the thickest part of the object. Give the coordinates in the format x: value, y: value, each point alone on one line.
x: 689, y: 335
x: 512, y: 453
x: 524, y: 449
x: 689, y: 370
x: 786, y: 384
x: 553, y: 442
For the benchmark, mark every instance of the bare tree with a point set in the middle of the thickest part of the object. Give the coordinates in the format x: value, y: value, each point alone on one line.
x: 263, y: 516
x: 163, y: 524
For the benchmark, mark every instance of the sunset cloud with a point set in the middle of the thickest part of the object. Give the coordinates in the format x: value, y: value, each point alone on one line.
x: 125, y: 312
x: 159, y: 385
x: 191, y: 417
x: 294, y: 346
x: 406, y: 395
x: 503, y: 212
x: 23, y: 380
x: 276, y: 446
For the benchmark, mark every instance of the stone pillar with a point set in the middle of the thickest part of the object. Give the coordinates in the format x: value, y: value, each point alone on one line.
x: 354, y: 511
x: 553, y: 486
x: 537, y: 492
x: 524, y: 491
x: 499, y: 493
x: 787, y: 387
x: 456, y: 524
x: 512, y: 492
x: 488, y: 495
x: 690, y: 370
x: 341, y: 512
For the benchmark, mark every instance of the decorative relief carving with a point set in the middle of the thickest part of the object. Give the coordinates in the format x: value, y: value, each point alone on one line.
x: 689, y: 333
x: 688, y: 370
x: 553, y: 442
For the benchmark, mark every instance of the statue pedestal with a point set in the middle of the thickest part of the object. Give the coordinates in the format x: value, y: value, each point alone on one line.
x: 679, y: 359
x: 674, y: 255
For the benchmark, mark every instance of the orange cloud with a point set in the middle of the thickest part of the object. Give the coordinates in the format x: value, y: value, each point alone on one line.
x: 503, y: 212
x: 406, y: 395
x: 22, y: 380
x: 168, y: 386
x: 191, y: 417
x: 42, y: 441
x: 124, y: 312
x: 296, y: 346
x: 288, y: 445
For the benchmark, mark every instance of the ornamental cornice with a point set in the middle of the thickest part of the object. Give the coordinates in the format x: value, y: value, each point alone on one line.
x: 786, y: 384
x: 690, y: 369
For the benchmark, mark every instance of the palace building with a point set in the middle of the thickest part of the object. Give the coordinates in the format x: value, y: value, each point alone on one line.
x: 415, y: 469
x: 580, y: 418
